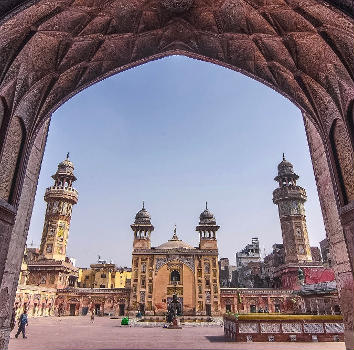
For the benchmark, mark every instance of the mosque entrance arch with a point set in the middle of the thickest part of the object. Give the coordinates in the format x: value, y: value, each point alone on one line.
x: 52, y: 50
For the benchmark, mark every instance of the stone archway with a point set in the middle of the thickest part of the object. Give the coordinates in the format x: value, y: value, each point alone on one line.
x: 50, y: 50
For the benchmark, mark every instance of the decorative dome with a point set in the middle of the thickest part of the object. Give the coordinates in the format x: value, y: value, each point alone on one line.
x: 285, y: 168
x: 143, y: 217
x: 66, y: 166
x: 174, y: 243
x: 206, y: 217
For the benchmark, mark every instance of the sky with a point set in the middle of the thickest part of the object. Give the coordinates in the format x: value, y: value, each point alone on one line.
x: 175, y: 133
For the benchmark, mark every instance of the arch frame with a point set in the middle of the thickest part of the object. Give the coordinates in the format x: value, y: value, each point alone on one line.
x: 325, y: 96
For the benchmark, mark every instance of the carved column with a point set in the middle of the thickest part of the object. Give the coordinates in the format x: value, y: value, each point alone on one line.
x: 15, y: 227
x: 339, y: 247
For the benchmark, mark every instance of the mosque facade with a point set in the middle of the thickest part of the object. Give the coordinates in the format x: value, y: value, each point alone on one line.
x: 175, y: 267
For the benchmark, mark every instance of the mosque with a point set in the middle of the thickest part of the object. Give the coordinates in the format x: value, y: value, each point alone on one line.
x: 50, y: 284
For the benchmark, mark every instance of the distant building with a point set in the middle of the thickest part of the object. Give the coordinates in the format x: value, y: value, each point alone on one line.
x: 224, y: 272
x: 248, y: 254
x: 271, y: 262
x: 326, y: 256
x: 232, y: 274
x: 250, y: 275
x: 316, y: 254
x: 104, y: 275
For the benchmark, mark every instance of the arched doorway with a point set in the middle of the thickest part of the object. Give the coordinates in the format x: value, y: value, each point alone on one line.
x: 52, y: 50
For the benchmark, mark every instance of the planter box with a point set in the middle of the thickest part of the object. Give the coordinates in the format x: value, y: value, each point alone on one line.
x: 283, y: 328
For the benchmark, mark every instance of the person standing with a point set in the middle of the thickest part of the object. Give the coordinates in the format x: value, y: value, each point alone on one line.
x: 92, y: 316
x: 22, y: 323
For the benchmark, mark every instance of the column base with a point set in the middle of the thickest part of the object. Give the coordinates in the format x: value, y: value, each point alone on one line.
x: 4, y: 338
x: 349, y: 339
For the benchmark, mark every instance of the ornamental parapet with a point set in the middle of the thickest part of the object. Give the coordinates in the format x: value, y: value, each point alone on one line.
x: 60, y: 191
x: 93, y: 290
x: 289, y: 192
x: 255, y: 291
x: 178, y: 251
x: 275, y: 327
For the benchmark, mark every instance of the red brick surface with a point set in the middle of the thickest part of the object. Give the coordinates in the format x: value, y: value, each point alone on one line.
x: 78, y: 333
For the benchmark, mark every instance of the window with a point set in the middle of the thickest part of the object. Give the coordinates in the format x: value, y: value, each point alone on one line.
x: 175, y: 276
x: 87, y: 277
x: 253, y: 308
x: 298, y: 232
x: 143, y: 282
x: 207, y: 282
x: 143, y: 267
x: 103, y: 275
x: 337, y: 309
x: 102, y: 286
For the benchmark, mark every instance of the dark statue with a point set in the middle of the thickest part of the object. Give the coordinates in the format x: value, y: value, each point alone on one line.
x: 174, y: 309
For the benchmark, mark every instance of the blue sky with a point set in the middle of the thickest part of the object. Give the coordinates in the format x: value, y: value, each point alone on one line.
x: 175, y: 133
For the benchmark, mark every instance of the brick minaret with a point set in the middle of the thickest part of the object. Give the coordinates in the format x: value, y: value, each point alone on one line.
x: 60, y: 198
x: 207, y: 229
x: 142, y: 229
x: 290, y: 199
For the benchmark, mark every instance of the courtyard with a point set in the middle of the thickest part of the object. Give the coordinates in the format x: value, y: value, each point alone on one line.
x: 79, y: 333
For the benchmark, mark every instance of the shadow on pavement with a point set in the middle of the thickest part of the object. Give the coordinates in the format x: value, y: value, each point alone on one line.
x: 217, y: 339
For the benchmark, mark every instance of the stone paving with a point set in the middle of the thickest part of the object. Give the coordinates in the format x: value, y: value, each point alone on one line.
x: 69, y: 333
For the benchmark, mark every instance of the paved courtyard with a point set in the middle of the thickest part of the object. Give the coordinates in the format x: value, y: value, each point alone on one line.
x: 78, y: 333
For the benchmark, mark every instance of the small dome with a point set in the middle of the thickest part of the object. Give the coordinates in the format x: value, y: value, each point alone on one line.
x: 207, y: 217
x: 285, y: 168
x: 142, y: 216
x: 174, y: 244
x: 66, y: 166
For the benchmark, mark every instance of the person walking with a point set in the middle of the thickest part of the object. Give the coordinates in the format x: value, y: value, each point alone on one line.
x: 22, y: 323
x: 92, y: 316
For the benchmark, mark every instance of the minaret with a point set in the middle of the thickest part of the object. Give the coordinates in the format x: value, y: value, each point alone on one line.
x: 290, y: 199
x: 142, y: 229
x: 207, y: 230
x: 60, y: 198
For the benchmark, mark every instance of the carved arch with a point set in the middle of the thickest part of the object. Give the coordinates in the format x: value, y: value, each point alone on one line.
x: 350, y: 121
x: 3, y: 121
x: 342, y: 160
x: 10, y: 162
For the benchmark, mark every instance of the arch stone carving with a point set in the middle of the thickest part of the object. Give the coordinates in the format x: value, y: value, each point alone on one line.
x: 344, y: 161
x: 11, y: 155
x: 51, y: 50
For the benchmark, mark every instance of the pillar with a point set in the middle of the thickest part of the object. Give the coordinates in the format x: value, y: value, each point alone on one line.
x: 14, y: 226
x: 340, y: 237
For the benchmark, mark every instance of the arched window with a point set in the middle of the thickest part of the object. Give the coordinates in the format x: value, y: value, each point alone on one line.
x: 175, y: 276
